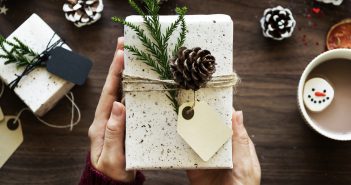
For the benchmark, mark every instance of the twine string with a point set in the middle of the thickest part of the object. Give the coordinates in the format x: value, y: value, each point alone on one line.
x: 38, y: 61
x: 75, y: 111
x: 130, y: 83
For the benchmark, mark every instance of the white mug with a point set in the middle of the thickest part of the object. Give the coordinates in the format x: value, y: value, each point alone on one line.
x: 326, y: 56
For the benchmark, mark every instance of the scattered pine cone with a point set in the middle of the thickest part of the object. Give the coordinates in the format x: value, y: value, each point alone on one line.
x: 193, y: 68
x: 334, y: 2
x: 83, y: 12
x: 277, y: 23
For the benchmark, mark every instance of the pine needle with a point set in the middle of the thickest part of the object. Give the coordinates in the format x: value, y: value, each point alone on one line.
x: 156, y: 55
x: 19, y: 54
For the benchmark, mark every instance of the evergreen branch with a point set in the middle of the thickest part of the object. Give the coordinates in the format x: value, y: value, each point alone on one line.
x: 22, y: 47
x: 121, y: 21
x: 19, y: 54
x: 154, y: 27
x: 172, y: 96
x: 136, y: 7
x: 2, y: 39
x: 141, y: 55
x: 156, y: 46
x: 146, y: 18
x: 152, y: 6
x: 149, y: 45
x: 169, y: 31
x: 181, y: 39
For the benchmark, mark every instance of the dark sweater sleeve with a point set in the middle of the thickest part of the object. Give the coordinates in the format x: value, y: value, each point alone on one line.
x: 91, y: 176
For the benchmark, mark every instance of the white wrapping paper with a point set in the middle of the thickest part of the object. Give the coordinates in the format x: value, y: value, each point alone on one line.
x: 152, y: 141
x: 39, y: 90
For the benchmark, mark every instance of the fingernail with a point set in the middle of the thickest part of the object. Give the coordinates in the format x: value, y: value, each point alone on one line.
x: 239, y: 117
x: 117, y: 110
x: 120, y: 52
x: 118, y: 40
x: 117, y: 52
x: 115, y: 55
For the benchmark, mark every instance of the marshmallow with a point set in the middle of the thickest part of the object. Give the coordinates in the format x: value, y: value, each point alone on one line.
x: 317, y: 94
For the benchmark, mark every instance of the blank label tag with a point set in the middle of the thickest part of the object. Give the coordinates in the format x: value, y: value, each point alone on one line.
x: 11, y: 137
x: 68, y: 65
x: 202, y: 128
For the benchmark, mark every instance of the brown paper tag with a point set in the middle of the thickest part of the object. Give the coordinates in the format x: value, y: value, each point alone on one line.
x: 11, y: 137
x: 202, y: 128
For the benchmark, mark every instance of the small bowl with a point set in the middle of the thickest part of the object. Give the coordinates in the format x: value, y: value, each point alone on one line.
x: 326, y: 56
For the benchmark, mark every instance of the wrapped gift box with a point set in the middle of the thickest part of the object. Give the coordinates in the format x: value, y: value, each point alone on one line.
x: 152, y: 141
x: 39, y: 90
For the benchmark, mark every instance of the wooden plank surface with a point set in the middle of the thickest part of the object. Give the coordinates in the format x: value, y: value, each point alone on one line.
x: 289, y: 151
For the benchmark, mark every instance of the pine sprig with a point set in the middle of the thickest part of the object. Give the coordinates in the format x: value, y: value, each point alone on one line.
x: 153, y: 25
x: 149, y: 45
x: 181, y: 39
x: 156, y: 55
x: 19, y: 54
x: 169, y: 31
x: 141, y: 55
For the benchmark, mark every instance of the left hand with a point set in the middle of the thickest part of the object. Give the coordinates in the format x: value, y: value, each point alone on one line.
x: 107, y: 130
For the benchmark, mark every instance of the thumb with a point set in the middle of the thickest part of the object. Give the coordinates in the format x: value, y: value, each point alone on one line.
x: 241, y: 140
x: 114, y: 133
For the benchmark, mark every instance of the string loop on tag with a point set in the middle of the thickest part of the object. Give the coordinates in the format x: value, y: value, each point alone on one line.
x: 73, y: 122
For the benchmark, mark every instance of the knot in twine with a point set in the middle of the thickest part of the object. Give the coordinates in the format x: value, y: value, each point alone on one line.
x: 144, y: 84
x: 38, y: 61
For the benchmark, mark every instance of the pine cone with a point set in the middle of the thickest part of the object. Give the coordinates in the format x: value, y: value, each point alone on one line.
x: 192, y: 68
x: 334, y: 2
x: 277, y: 23
x: 83, y: 12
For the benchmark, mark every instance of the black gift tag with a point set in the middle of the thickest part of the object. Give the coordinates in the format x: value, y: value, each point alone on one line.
x: 68, y: 65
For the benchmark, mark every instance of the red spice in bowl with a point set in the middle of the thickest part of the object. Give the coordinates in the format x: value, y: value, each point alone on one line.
x: 339, y: 35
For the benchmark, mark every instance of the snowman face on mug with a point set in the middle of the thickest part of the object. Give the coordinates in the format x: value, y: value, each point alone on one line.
x: 318, y: 94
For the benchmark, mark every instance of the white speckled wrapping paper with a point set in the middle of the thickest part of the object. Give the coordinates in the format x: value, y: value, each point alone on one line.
x: 152, y: 141
x: 39, y: 90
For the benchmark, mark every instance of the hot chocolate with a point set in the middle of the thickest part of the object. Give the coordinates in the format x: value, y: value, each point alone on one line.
x: 336, y: 117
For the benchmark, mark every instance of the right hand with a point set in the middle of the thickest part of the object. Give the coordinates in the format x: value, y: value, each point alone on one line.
x: 246, y: 167
x: 107, y: 130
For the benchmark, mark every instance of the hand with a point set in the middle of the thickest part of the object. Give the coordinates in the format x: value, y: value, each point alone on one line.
x: 246, y: 170
x: 107, y: 131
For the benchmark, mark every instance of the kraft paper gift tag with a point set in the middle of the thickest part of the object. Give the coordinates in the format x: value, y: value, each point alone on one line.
x: 11, y: 137
x: 202, y: 128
